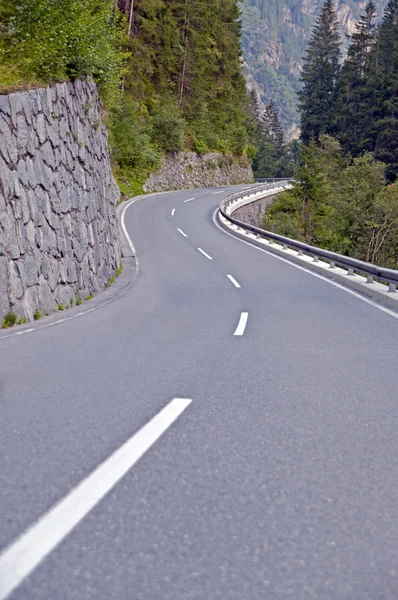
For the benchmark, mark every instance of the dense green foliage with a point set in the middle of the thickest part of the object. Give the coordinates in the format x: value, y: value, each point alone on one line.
x: 359, y: 103
x: 340, y: 203
x: 272, y: 156
x: 344, y: 198
x: 169, y: 70
x: 47, y: 40
x: 186, y: 53
x: 275, y: 34
x: 183, y: 82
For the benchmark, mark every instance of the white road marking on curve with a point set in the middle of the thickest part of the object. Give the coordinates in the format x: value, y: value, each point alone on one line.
x: 24, y: 555
x: 236, y: 284
x: 128, y: 238
x: 173, y: 212
x: 205, y: 254
x: 181, y: 231
x: 23, y: 332
x: 220, y: 192
x: 240, y: 330
x: 189, y: 200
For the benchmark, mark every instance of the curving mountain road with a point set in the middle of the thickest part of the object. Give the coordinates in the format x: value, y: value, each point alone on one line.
x: 276, y: 473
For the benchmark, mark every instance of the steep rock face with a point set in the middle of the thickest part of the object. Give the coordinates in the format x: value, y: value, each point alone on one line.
x: 58, y: 228
x: 274, y: 38
x: 184, y: 170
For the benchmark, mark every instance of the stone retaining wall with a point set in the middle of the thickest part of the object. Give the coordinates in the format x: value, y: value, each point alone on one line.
x: 184, y: 170
x: 253, y: 213
x: 58, y: 228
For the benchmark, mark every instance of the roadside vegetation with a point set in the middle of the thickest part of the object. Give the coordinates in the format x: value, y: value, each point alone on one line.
x: 345, y: 196
x: 169, y: 72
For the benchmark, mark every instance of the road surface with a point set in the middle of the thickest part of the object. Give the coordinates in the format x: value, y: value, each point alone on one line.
x: 271, y: 468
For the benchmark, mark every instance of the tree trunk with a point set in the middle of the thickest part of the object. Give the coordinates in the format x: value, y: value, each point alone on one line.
x: 131, y: 18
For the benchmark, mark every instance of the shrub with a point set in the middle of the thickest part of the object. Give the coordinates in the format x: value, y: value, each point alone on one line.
x: 119, y: 270
x: 251, y: 152
x: 199, y: 146
x: 38, y: 315
x: 9, y: 320
x: 169, y: 128
x: 50, y: 41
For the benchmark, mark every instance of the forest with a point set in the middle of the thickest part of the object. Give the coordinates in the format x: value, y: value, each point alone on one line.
x: 274, y: 38
x: 169, y: 71
x: 345, y: 196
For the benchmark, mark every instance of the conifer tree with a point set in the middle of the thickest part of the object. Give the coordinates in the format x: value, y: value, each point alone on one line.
x: 386, y: 145
x: 356, y: 100
x: 272, y: 127
x: 320, y: 74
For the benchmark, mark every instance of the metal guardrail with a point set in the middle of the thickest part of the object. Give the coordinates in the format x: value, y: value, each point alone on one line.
x: 352, y: 265
x: 271, y: 179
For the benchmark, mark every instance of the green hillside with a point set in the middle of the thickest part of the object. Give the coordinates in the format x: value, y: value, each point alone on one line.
x: 275, y: 33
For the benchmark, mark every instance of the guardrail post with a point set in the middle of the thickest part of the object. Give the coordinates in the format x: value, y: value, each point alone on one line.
x: 315, y: 259
x: 285, y: 246
x: 332, y: 265
x: 392, y: 287
x: 370, y: 279
x: 351, y: 271
x: 300, y: 253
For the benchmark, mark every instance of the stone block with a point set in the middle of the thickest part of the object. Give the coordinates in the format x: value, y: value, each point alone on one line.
x: 52, y: 129
x: 45, y: 296
x: 63, y: 293
x: 50, y: 244
x: 28, y: 270
x: 22, y: 135
x: 8, y: 145
x: 16, y: 106
x: 29, y: 303
x: 16, y: 289
x: 50, y: 270
x: 41, y: 128
x: 4, y: 301
x: 5, y: 105
x: 47, y: 154
x: 31, y: 236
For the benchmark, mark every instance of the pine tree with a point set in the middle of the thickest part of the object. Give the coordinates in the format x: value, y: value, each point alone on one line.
x: 320, y: 75
x: 272, y: 127
x: 254, y: 106
x: 356, y: 101
x: 386, y: 145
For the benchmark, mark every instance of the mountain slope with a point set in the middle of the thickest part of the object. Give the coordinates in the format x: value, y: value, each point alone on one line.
x: 275, y: 33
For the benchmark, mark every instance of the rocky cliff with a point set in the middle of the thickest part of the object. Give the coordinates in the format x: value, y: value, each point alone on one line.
x: 274, y: 38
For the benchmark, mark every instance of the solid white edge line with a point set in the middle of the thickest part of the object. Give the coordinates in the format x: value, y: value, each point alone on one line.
x: 24, y: 555
x: 233, y: 280
x: 240, y: 330
x: 181, y: 231
x: 128, y: 238
x: 205, y: 254
x: 296, y: 266
x: 189, y: 200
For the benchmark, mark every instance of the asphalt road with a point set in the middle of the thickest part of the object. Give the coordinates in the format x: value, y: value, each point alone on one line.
x: 278, y: 480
